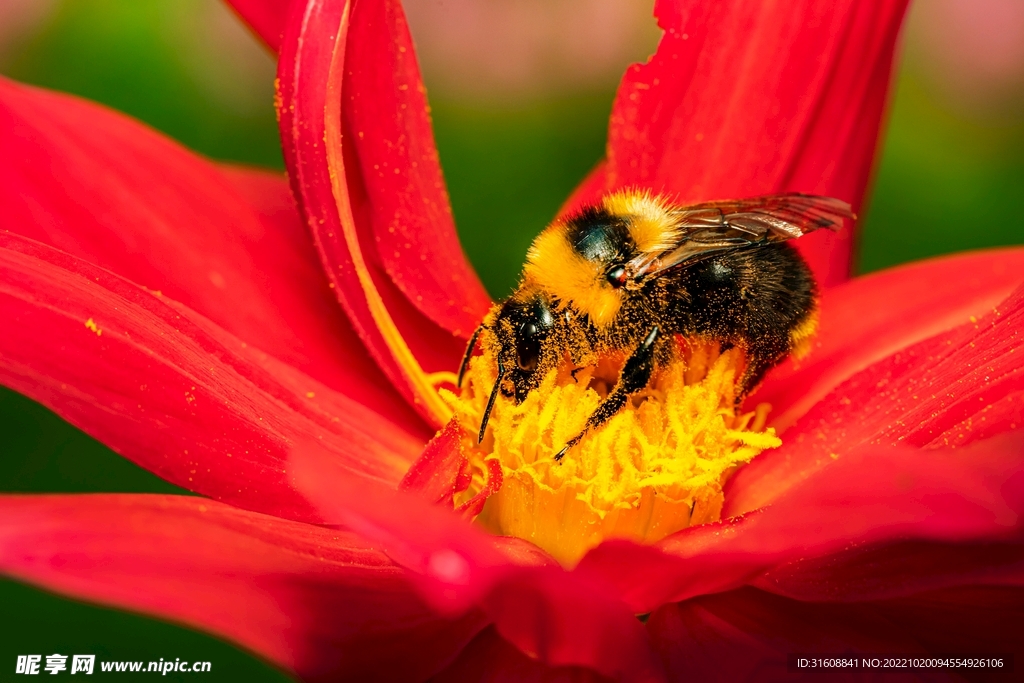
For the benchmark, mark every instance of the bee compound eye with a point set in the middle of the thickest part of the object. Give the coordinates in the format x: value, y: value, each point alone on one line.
x: 528, y: 354
x: 616, y: 276
x: 528, y: 347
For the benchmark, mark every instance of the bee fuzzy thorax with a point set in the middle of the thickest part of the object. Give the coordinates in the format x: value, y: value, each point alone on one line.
x: 570, y: 258
x: 553, y: 264
x: 651, y: 224
x: 657, y: 467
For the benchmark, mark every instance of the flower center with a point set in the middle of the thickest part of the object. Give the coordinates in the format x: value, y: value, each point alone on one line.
x: 656, y: 467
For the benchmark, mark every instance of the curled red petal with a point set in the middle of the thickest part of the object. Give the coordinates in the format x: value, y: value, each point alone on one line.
x: 871, y: 317
x: 495, y: 476
x: 361, y: 156
x: 227, y: 243
x: 949, y: 390
x: 320, y: 602
x: 877, y: 502
x: 267, y: 18
x: 173, y: 392
x: 386, y: 113
x: 749, y: 98
x: 435, y: 474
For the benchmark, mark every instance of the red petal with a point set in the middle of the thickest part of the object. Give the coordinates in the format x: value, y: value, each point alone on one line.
x: 435, y: 474
x: 267, y: 18
x: 475, y: 505
x: 558, y: 618
x: 872, y: 317
x: 896, y: 569
x: 170, y: 390
x: 491, y: 659
x: 746, y: 98
x: 949, y: 390
x: 406, y: 199
x: 983, y: 620
x: 360, y: 152
x: 876, y: 503
x: 454, y: 561
x: 746, y: 635
x: 969, y: 619
x: 320, y: 602
x: 228, y: 244
x: 562, y: 621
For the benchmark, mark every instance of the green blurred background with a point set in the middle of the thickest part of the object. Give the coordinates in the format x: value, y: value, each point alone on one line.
x: 518, y: 137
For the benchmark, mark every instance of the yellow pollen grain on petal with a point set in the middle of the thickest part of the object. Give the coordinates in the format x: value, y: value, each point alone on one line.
x: 656, y: 467
x: 91, y: 325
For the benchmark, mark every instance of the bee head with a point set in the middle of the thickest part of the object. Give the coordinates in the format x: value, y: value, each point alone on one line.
x: 522, y: 325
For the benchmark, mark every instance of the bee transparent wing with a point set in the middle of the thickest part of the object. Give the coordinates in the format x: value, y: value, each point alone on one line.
x: 708, y: 229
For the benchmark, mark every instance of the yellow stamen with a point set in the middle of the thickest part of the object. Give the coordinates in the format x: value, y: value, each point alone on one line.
x: 656, y: 467
x: 436, y: 379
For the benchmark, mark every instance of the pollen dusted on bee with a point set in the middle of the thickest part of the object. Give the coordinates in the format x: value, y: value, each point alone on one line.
x: 654, y: 468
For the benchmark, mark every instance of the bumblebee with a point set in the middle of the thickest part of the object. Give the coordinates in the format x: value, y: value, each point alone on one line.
x: 634, y: 271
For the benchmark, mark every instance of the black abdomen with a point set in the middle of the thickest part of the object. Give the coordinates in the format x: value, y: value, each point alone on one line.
x: 751, y: 298
x: 756, y: 292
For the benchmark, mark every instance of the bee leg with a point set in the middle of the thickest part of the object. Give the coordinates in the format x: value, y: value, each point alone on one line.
x: 634, y: 377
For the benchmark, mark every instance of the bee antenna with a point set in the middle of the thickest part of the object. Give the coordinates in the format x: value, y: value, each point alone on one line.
x: 468, y: 354
x: 490, y: 402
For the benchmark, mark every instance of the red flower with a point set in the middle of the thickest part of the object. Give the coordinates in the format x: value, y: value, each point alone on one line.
x: 175, y: 309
